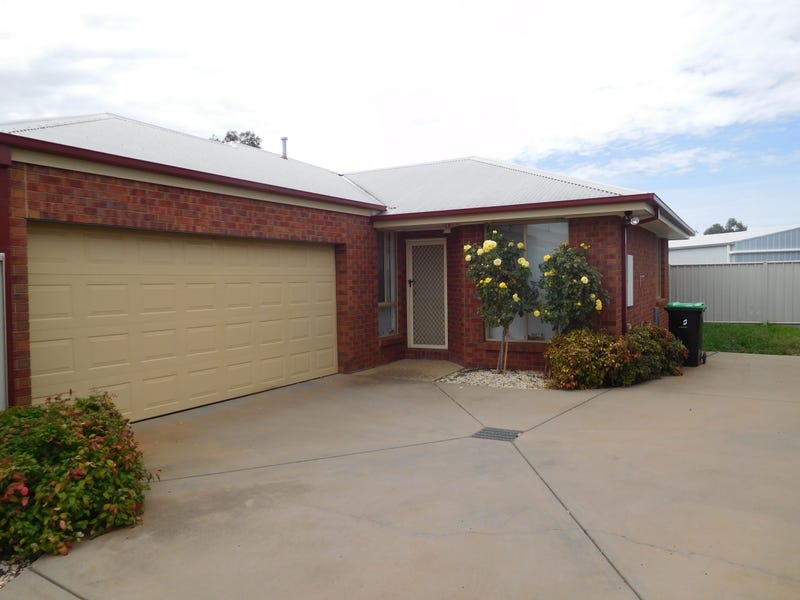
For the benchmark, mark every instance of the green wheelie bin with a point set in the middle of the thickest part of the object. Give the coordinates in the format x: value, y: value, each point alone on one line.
x: 686, y: 323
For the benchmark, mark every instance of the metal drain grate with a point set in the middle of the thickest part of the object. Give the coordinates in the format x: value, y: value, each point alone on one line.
x: 501, y: 435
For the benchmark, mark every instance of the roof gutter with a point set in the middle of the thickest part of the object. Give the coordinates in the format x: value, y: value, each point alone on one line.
x: 657, y: 211
x: 16, y: 141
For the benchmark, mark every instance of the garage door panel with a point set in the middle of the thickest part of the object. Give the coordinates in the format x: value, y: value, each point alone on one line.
x: 169, y: 322
x: 107, y: 299
x: 51, y: 302
x: 202, y: 339
x: 52, y: 357
x: 200, y: 296
x: 203, y: 386
x: 161, y: 394
x: 159, y: 345
x: 110, y: 350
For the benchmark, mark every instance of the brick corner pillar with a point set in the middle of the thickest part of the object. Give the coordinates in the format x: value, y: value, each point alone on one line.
x: 17, y: 359
x: 357, y: 301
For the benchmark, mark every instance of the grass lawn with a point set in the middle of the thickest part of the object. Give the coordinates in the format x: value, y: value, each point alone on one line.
x: 751, y: 338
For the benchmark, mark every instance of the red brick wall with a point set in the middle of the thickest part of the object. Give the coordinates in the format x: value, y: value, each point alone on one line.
x: 604, y: 235
x: 644, y: 246
x: 56, y: 195
x: 467, y: 339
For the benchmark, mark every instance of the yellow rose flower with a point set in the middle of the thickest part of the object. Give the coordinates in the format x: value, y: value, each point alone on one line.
x: 468, y: 257
x: 489, y: 245
x: 537, y: 314
x: 497, y: 262
x: 547, y: 257
x: 598, y: 305
x: 494, y: 231
x: 515, y: 297
x: 521, y: 260
x: 578, y: 303
x: 502, y: 285
x: 592, y: 296
x: 479, y: 251
x: 467, y: 248
x: 584, y: 279
x: 487, y: 280
x: 521, y: 246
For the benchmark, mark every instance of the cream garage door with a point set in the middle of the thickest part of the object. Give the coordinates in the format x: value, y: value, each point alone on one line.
x: 167, y: 322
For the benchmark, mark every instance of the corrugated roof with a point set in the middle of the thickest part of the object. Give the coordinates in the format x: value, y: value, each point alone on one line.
x: 473, y: 182
x: 722, y: 239
x: 120, y: 136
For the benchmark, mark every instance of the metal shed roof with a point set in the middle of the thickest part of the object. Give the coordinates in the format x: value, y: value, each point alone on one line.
x: 723, y: 239
x: 473, y: 182
x: 112, y: 134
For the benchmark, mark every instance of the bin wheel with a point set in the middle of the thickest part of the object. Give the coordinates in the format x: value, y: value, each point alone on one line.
x: 704, y: 358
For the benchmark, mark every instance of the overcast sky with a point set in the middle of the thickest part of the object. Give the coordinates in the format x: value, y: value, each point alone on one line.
x: 697, y: 101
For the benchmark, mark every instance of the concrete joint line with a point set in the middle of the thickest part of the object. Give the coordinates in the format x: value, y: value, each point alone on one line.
x: 55, y: 583
x: 459, y: 405
x: 309, y: 460
x: 575, y: 519
x: 570, y: 409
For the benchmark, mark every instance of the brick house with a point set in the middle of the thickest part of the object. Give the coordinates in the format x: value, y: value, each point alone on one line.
x: 175, y: 271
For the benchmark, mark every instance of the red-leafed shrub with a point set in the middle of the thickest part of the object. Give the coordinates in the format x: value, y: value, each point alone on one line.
x: 69, y: 469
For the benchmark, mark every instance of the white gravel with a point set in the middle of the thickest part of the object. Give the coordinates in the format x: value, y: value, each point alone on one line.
x: 522, y: 380
x: 9, y: 570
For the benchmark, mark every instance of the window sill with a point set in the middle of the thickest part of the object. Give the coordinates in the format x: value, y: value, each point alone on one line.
x: 391, y: 340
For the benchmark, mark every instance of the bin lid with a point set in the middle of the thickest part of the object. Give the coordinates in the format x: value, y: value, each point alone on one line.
x: 695, y: 305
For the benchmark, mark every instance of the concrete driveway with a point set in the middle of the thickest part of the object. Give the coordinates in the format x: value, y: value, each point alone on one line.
x: 371, y: 486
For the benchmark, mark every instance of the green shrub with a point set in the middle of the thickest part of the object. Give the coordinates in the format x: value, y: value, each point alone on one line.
x: 69, y: 469
x: 584, y: 359
x: 578, y: 360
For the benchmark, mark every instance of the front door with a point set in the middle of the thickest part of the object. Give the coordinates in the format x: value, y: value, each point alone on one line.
x: 427, y: 293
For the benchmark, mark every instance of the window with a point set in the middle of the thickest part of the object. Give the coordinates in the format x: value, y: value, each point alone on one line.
x: 539, y: 239
x: 387, y: 283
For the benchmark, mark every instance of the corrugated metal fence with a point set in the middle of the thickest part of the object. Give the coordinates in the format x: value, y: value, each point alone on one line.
x: 740, y: 293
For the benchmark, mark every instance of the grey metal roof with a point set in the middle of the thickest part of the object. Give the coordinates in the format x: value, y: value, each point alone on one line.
x: 120, y: 136
x: 722, y: 239
x: 473, y: 183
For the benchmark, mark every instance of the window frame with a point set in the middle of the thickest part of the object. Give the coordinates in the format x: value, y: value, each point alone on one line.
x: 530, y: 321
x: 387, y: 281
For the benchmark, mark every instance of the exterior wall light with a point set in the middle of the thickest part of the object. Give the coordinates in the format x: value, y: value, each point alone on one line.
x: 630, y: 219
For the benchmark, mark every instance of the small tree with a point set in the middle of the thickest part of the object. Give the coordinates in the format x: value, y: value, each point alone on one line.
x: 572, y: 288
x: 248, y: 138
x: 731, y: 226
x: 502, y: 277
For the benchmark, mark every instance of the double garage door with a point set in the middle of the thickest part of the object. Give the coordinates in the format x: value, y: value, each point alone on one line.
x: 166, y: 322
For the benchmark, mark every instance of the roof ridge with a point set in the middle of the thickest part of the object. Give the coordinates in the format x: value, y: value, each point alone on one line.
x: 584, y: 183
x: 59, y: 121
x: 524, y: 169
x: 411, y: 166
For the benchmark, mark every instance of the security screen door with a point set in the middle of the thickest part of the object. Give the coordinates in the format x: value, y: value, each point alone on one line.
x: 427, y: 293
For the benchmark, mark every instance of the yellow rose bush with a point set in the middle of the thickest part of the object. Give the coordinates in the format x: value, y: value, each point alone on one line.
x: 571, y: 288
x: 502, y: 279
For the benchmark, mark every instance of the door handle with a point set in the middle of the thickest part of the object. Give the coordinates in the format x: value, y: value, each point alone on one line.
x: 410, y: 282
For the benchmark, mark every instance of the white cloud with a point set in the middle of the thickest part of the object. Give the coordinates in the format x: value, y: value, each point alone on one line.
x: 357, y: 84
x: 672, y: 162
